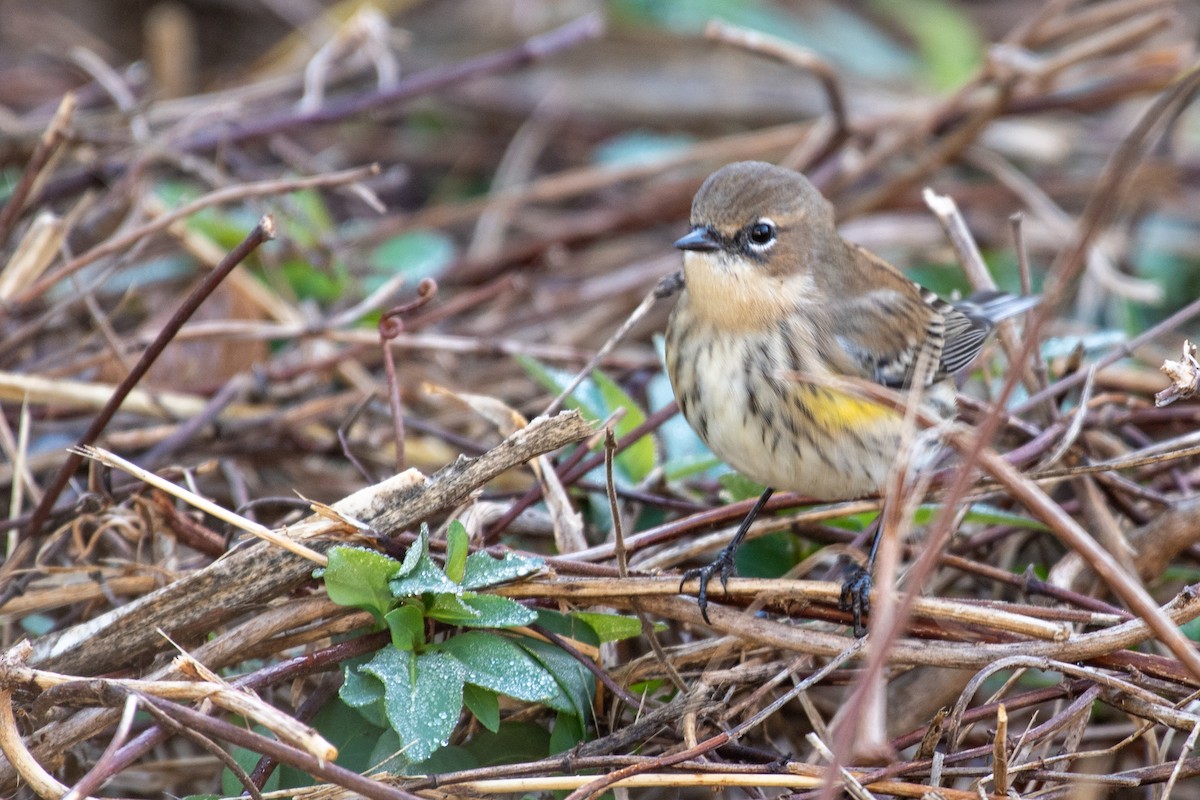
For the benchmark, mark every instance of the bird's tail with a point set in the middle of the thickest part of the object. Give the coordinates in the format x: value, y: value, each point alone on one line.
x: 995, y: 306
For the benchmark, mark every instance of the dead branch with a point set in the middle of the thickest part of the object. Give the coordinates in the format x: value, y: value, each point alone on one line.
x: 252, y: 575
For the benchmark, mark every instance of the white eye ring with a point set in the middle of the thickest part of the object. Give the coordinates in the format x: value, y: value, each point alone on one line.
x: 761, y: 235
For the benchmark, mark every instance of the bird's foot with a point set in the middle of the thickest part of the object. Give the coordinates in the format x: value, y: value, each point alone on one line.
x: 856, y: 596
x: 721, y: 566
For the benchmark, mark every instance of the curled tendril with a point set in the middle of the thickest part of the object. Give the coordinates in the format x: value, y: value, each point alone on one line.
x: 390, y: 323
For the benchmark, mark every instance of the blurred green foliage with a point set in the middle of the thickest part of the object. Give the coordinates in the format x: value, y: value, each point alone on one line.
x: 945, y: 50
x: 949, y: 45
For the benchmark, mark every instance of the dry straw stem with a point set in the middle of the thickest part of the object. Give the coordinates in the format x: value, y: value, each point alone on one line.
x: 236, y: 701
x: 619, y: 590
x: 253, y: 574
x: 888, y: 143
x: 694, y: 523
x: 76, y: 592
x: 1184, y: 375
x: 207, y: 506
x: 19, y: 757
x: 1012, y: 80
x: 409, y: 341
x: 713, y: 781
x: 1153, y: 707
x: 568, y: 184
x: 754, y: 631
x: 43, y: 153
x: 1000, y: 752
x: 38, y: 248
x: 262, y: 634
x: 88, y: 395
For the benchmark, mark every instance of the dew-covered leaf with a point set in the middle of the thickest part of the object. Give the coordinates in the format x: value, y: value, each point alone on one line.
x: 422, y: 697
x: 482, y: 570
x: 358, y: 577
x: 495, y: 662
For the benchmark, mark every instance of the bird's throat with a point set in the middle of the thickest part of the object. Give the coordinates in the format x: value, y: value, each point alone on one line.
x: 732, y: 294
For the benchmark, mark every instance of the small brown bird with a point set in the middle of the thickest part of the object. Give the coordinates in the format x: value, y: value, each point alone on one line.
x: 773, y: 292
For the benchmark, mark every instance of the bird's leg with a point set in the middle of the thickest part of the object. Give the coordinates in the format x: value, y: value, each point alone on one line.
x: 856, y: 589
x: 723, y: 564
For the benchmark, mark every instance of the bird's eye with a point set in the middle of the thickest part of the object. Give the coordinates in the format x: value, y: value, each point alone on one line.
x: 762, y: 234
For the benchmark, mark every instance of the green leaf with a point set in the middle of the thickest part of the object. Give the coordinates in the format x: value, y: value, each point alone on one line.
x: 688, y: 466
x: 493, y: 611
x: 685, y: 453
x: 647, y: 688
x: 387, y: 754
x: 457, y: 541
x: 834, y: 30
x: 417, y: 551
x: 310, y: 282
x: 423, y: 696
x: 427, y: 576
x: 484, y: 704
x: 358, y: 577
x: 482, y: 570
x: 638, y: 459
x: 346, y: 730
x: 611, y: 627
x: 949, y: 43
x: 363, y: 692
x: 769, y: 556
x: 451, y: 609
x: 739, y: 487
x: 224, y: 225
x: 640, y: 148
x: 310, y: 208
x: 568, y: 732
x: 984, y: 514
x: 407, y: 625
x: 497, y: 663
x: 514, y: 743
x: 853, y: 522
x: 569, y: 626
x: 586, y: 397
x: 37, y: 624
x: 450, y: 758
x: 419, y: 573
x: 576, y: 686
x: 416, y: 254
x: 478, y: 610
x: 246, y: 759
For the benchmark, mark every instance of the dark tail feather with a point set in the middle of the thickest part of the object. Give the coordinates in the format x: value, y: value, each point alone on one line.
x: 996, y: 306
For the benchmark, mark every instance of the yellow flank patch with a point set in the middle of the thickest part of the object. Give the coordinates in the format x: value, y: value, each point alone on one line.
x: 834, y: 410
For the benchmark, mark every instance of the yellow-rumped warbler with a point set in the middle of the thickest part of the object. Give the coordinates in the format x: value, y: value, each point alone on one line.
x: 771, y: 289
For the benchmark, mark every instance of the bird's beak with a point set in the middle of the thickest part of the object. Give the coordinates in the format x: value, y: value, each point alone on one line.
x: 701, y: 239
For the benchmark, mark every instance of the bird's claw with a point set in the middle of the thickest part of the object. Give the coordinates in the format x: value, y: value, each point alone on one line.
x: 856, y: 596
x: 721, y: 566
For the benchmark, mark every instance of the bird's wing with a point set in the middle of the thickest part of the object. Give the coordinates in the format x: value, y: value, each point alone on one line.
x: 882, y: 326
x: 887, y: 324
